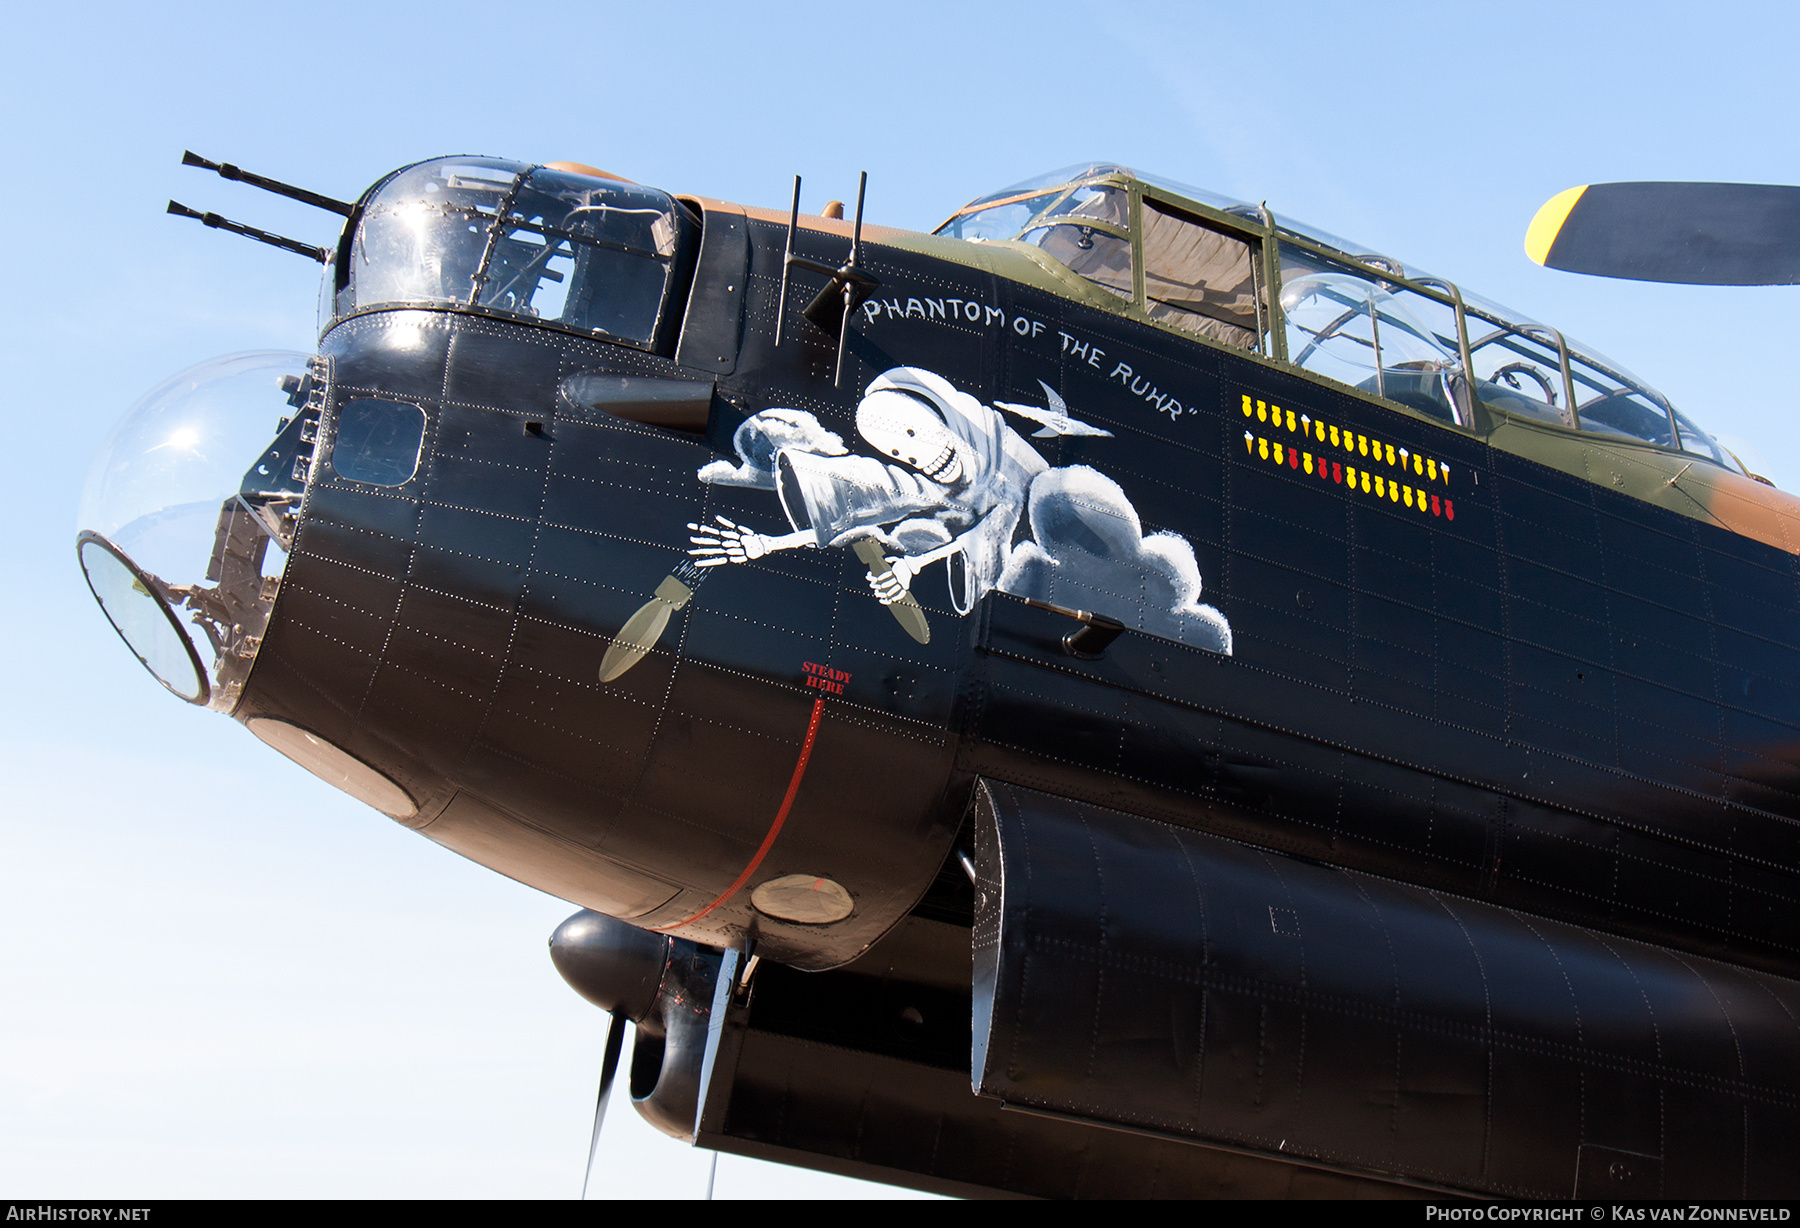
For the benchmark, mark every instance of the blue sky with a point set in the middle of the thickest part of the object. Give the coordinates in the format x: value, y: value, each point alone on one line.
x: 226, y: 979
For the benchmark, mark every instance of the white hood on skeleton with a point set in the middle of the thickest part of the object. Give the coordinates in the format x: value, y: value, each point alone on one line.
x: 905, y: 398
x: 905, y: 426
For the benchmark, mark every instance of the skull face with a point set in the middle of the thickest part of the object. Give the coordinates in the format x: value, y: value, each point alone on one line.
x: 905, y: 428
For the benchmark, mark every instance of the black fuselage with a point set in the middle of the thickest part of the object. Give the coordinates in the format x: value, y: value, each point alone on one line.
x: 1407, y: 656
x: 1553, y: 697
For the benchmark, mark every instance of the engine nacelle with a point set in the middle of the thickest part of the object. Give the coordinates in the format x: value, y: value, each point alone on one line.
x: 664, y: 986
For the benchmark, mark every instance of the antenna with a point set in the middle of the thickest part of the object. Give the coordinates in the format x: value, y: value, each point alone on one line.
x: 852, y: 293
x: 322, y: 255
x: 787, y: 260
x: 862, y: 187
x: 847, y: 280
x: 227, y: 171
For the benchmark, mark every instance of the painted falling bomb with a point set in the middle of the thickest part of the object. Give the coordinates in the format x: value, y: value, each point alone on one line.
x: 644, y: 628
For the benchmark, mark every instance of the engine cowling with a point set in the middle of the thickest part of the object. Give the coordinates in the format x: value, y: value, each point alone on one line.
x: 665, y: 987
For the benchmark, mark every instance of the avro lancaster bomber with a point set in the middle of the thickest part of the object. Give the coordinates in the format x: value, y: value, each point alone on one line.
x: 1126, y: 694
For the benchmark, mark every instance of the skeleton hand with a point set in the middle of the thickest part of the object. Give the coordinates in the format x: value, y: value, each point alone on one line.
x: 891, y: 586
x: 725, y: 542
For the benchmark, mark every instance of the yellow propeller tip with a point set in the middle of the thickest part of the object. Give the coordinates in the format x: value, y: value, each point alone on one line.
x: 1540, y: 236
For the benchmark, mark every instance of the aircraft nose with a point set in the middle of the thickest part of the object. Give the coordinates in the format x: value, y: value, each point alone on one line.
x: 180, y: 510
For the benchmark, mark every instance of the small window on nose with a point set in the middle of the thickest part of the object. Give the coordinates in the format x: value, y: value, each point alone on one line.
x: 378, y: 442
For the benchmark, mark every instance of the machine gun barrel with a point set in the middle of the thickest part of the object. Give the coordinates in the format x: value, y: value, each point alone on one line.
x: 322, y: 255
x: 227, y: 171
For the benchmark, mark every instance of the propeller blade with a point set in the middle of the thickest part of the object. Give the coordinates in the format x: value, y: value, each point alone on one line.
x: 1704, y: 234
x: 609, y: 1066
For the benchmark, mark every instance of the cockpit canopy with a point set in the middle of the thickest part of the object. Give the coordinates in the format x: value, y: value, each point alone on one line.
x: 596, y: 256
x: 1201, y: 262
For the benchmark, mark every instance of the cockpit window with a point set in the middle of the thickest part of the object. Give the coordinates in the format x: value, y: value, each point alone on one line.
x: 1698, y: 442
x: 1087, y: 227
x: 1100, y: 201
x: 1519, y: 369
x: 1002, y: 219
x: 1608, y: 402
x: 1199, y: 278
x: 1365, y: 320
x: 1089, y: 230
x: 591, y: 254
x: 421, y: 239
x: 1102, y: 258
x: 1371, y: 334
x: 598, y: 256
x: 1059, y: 178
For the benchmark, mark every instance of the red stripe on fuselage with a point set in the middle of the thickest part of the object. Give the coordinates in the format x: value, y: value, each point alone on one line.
x: 787, y: 803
